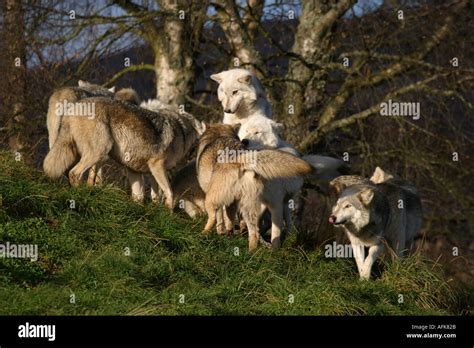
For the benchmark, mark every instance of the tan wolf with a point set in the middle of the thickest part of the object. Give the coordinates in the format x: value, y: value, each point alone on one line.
x: 234, y: 177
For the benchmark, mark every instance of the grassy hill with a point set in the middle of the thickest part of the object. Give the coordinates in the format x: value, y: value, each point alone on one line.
x: 171, y: 269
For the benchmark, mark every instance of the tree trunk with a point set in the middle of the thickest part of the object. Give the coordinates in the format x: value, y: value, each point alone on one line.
x: 312, y: 47
x: 14, y: 74
x: 174, y: 49
x: 240, y: 33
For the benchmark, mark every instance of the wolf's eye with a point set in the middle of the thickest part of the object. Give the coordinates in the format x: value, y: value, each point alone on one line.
x: 347, y: 206
x: 235, y: 92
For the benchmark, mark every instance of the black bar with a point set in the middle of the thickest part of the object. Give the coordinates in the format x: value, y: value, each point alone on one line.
x: 241, y: 330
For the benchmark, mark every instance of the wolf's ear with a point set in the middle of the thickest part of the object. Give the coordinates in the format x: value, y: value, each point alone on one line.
x: 336, y: 186
x: 204, y: 126
x: 112, y: 89
x: 236, y: 127
x: 217, y: 77
x: 245, y: 79
x: 81, y: 83
x: 278, y: 127
x: 380, y: 176
x: 366, y: 196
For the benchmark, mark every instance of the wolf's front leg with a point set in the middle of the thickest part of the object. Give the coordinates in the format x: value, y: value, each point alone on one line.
x: 358, y: 251
x: 374, y: 252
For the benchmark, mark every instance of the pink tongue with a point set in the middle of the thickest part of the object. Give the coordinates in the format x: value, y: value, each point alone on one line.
x: 331, y: 220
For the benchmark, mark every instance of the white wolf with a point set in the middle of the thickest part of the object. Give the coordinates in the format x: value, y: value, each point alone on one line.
x: 260, y: 133
x: 241, y: 95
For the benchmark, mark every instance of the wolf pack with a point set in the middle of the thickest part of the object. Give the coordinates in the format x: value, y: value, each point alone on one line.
x: 240, y: 172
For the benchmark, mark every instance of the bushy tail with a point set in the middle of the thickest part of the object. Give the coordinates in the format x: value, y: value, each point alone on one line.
x: 323, y: 163
x: 326, y: 168
x: 52, y: 122
x: 60, y: 158
x: 272, y: 164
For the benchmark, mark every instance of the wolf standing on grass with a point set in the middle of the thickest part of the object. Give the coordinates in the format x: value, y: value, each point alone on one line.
x: 141, y: 140
x: 238, y: 181
x: 375, y: 213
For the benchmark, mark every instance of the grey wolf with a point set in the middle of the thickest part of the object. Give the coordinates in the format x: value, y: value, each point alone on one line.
x: 141, y: 140
x: 241, y: 95
x: 373, y: 215
x: 188, y: 194
x: 72, y: 95
x: 128, y: 95
x: 192, y: 195
x: 239, y: 182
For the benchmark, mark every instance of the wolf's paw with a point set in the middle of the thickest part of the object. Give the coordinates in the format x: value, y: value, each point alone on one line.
x: 169, y: 203
x: 221, y: 229
x: 74, y: 180
x: 264, y: 243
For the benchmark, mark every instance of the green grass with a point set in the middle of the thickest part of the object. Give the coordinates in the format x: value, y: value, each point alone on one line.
x: 82, y: 251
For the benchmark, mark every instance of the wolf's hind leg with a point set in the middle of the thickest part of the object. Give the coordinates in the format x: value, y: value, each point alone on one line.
x: 287, y: 216
x: 252, y: 225
x: 91, y: 153
x: 229, y: 217
x: 211, y: 210
x: 158, y: 170
x: 277, y: 225
x: 87, y: 160
x: 136, y: 183
x: 154, y: 191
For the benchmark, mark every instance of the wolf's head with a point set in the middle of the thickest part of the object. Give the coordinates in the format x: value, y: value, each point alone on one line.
x: 237, y: 87
x: 353, y: 206
x: 260, y: 133
x: 128, y: 95
x: 218, y: 130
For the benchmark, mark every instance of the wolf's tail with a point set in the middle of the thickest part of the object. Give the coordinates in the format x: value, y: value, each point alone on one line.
x: 61, y: 156
x: 272, y: 164
x: 52, y: 121
x: 325, y: 167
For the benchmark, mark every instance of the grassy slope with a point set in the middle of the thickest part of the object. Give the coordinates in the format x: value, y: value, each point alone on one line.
x: 82, y: 253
